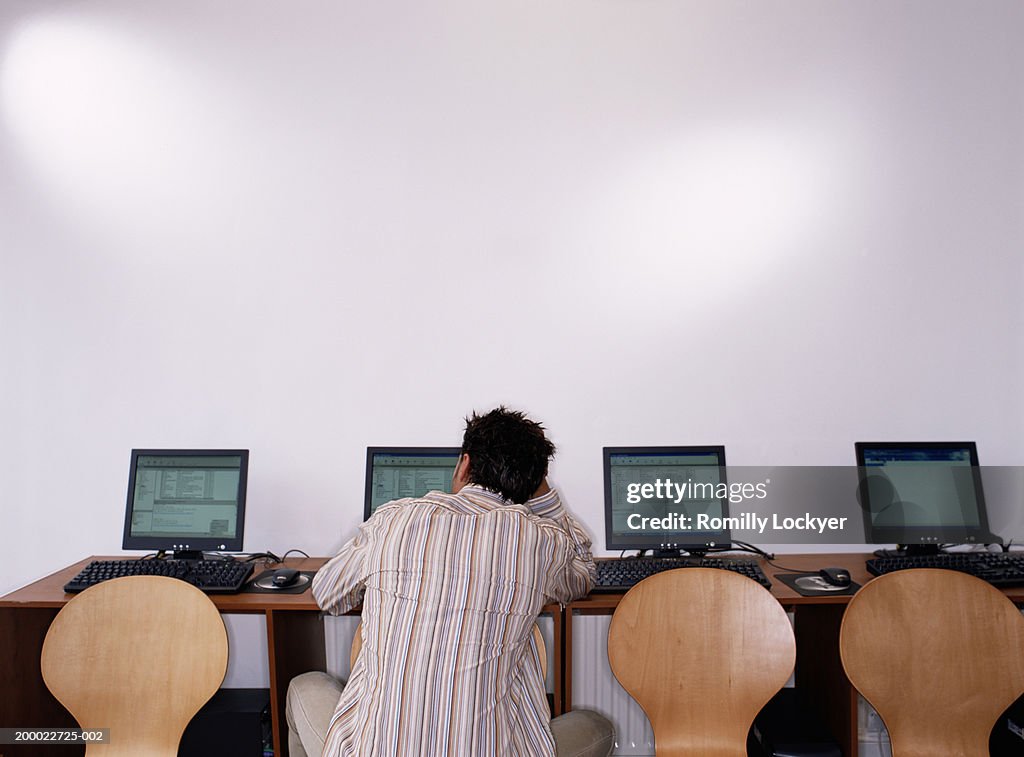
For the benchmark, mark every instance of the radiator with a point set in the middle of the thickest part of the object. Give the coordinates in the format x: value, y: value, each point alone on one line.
x: 594, y: 686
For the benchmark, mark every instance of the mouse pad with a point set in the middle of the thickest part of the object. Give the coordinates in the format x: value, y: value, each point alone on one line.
x: 254, y: 586
x: 813, y: 585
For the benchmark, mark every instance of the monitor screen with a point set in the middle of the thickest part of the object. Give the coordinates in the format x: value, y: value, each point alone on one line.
x: 186, y: 500
x: 649, y: 488
x: 399, y: 472
x: 921, y: 492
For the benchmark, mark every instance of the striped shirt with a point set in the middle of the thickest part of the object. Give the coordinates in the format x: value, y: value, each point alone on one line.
x: 451, y: 585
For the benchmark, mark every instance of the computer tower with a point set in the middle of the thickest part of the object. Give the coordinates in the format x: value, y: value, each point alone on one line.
x: 234, y: 723
x: 786, y: 727
x: 1007, y: 738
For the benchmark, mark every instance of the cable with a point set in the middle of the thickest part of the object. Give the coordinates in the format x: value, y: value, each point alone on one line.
x: 622, y: 555
x: 269, y: 557
x: 742, y: 546
x: 223, y: 557
x: 790, y: 570
x: 768, y: 557
x: 746, y: 547
x: 882, y: 745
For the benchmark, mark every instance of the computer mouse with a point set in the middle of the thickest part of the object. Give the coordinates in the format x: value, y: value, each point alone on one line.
x: 285, y: 577
x: 836, y: 576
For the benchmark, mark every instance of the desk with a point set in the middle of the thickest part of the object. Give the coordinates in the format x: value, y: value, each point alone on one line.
x: 295, y: 644
x: 819, y: 670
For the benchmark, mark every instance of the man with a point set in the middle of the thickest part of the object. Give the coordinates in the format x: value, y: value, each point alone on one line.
x: 451, y: 585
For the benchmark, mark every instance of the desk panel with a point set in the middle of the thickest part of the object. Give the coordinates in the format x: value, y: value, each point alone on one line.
x: 295, y: 644
x: 295, y: 637
x: 819, y: 672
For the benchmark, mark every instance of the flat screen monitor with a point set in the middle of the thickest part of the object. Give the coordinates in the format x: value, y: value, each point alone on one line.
x: 921, y: 493
x: 647, y: 488
x: 186, y: 500
x: 398, y: 472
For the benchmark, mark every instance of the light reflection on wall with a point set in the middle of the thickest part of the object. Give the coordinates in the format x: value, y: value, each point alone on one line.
x: 111, y: 126
x: 707, y: 213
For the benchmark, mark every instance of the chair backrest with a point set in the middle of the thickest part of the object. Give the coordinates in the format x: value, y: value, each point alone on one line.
x: 939, y: 654
x: 138, y: 655
x: 702, y: 650
x: 538, y: 640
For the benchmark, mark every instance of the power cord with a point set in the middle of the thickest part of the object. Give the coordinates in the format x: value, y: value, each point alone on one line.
x: 790, y: 570
x: 742, y: 546
x: 270, y: 558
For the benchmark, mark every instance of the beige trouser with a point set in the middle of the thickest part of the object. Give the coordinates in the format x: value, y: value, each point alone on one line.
x: 312, y: 698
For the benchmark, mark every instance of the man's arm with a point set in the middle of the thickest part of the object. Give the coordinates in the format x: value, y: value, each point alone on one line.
x: 338, y: 585
x: 574, y: 574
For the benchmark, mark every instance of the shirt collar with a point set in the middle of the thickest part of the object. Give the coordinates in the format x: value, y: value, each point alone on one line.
x: 485, y: 499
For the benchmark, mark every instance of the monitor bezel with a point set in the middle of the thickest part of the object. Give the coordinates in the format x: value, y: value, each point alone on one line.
x: 721, y: 539
x: 176, y: 543
x: 926, y: 535
x: 371, y: 451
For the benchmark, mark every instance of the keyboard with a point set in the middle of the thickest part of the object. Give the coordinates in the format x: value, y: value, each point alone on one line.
x: 621, y: 575
x: 211, y: 576
x: 999, y: 569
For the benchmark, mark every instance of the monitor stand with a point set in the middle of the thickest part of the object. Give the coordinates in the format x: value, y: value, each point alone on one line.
x: 695, y: 552
x: 910, y: 550
x: 188, y: 554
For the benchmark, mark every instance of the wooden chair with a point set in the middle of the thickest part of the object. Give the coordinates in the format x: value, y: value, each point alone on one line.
x: 939, y: 654
x: 702, y: 650
x: 538, y: 640
x: 138, y: 655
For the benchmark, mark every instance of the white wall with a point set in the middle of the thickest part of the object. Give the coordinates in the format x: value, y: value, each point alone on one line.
x: 303, y: 228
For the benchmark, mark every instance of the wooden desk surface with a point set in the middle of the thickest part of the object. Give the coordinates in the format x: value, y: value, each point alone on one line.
x: 49, y: 591
x: 852, y: 561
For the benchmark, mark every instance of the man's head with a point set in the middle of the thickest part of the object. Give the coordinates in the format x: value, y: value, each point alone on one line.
x: 506, y: 452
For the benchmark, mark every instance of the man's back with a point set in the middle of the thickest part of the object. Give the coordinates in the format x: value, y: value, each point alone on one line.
x: 453, y: 585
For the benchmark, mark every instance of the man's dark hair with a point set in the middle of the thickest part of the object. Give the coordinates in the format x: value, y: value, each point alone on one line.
x: 508, y: 453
